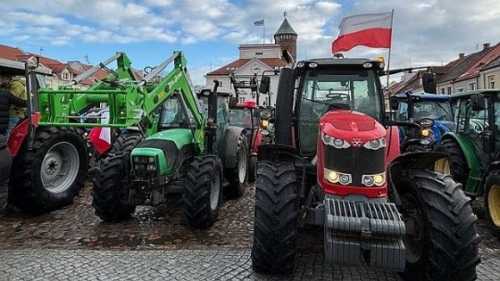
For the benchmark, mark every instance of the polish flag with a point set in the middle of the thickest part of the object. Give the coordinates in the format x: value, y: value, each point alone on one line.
x: 371, y: 30
x: 100, y: 137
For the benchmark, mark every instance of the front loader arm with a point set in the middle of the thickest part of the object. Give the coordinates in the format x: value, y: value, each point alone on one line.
x: 177, y: 81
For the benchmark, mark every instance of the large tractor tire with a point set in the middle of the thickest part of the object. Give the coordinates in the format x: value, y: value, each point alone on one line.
x: 52, y: 173
x: 441, y: 240
x: 458, y: 165
x: 492, y: 200
x: 203, y: 188
x: 252, y: 168
x: 237, y: 176
x: 111, y: 180
x: 276, y: 218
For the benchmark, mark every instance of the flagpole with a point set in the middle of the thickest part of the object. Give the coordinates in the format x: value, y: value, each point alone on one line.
x: 389, y: 54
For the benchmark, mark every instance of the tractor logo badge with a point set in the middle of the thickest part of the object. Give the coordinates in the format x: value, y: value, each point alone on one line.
x: 356, y: 142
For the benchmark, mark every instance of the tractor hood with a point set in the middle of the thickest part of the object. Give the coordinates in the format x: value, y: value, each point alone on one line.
x: 349, y: 125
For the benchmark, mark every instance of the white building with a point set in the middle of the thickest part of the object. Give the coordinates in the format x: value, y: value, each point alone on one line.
x: 255, y: 59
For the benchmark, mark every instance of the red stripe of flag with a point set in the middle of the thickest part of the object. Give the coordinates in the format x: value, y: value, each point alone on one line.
x: 372, y: 37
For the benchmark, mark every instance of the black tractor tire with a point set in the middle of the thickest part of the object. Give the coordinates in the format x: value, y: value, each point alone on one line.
x: 492, y: 200
x: 252, y: 168
x: 237, y: 180
x: 203, y: 191
x: 276, y: 218
x: 111, y: 180
x: 446, y: 243
x: 458, y: 165
x: 53, y: 151
x: 415, y: 148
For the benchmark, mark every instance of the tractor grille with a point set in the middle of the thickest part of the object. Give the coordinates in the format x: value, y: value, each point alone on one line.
x: 357, y: 161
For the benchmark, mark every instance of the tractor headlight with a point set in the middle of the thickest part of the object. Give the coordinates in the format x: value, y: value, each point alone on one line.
x: 264, y: 124
x: 335, y: 142
x: 375, y: 144
x: 371, y: 180
x: 337, y: 177
x: 425, y: 132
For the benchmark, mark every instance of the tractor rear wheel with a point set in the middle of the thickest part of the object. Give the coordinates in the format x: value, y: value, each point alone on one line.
x: 203, y: 191
x: 112, y: 180
x: 237, y: 176
x: 52, y: 173
x: 458, y: 165
x: 441, y: 239
x: 492, y: 199
x: 276, y: 218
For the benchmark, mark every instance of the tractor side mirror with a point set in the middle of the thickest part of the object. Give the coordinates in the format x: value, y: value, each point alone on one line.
x: 477, y: 102
x: 265, y: 83
x: 394, y: 104
x: 429, y: 82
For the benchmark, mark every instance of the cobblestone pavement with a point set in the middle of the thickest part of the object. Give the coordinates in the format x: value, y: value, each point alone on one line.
x: 73, y: 244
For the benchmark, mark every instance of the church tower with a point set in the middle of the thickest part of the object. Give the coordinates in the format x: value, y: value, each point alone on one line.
x: 286, y: 37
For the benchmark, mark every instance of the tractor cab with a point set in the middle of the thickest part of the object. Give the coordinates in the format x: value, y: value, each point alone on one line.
x: 431, y: 113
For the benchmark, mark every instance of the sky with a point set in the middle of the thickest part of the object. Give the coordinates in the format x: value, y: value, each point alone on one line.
x: 425, y: 32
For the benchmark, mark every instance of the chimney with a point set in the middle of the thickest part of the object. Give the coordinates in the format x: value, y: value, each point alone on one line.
x: 486, y: 46
x: 461, y: 55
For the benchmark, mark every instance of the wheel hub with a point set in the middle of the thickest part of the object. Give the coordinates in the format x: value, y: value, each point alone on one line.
x: 60, y: 167
x: 494, y: 204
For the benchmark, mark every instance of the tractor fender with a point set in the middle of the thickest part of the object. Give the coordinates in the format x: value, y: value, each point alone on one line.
x: 467, y: 148
x: 230, y: 146
x: 409, y: 161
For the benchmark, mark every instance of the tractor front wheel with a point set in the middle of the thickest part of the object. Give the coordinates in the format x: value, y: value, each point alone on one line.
x: 203, y: 191
x: 51, y: 173
x: 276, y: 216
x: 441, y: 238
x: 492, y: 199
x: 111, y: 193
x: 458, y: 165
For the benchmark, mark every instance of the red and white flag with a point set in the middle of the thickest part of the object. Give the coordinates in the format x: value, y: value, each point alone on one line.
x: 371, y: 30
x: 100, y: 137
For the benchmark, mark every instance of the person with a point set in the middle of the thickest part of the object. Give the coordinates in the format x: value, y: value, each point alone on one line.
x: 6, y: 100
x: 17, y: 88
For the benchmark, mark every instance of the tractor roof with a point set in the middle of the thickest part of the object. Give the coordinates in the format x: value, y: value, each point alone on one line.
x: 424, y: 96
x: 478, y: 92
x: 340, y: 61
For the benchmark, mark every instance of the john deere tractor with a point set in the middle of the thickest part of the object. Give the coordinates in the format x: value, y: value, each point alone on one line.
x: 165, y: 143
x: 336, y: 164
x: 474, y: 148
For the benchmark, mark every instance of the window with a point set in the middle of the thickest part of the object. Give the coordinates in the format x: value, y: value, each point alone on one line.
x: 173, y: 115
x: 259, y: 53
x: 491, y: 81
x: 472, y: 86
x: 460, y: 90
x: 325, y: 90
x: 442, y: 91
x: 449, y: 90
x: 65, y: 76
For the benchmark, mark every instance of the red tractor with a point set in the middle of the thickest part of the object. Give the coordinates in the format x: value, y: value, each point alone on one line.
x: 336, y: 164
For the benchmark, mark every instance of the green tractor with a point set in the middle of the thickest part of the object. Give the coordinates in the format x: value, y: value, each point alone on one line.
x: 165, y: 144
x: 474, y: 148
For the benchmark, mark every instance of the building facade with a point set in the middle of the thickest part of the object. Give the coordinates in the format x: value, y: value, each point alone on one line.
x: 254, y: 60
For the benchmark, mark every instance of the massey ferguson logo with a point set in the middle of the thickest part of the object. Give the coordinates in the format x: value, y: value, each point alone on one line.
x: 356, y: 142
